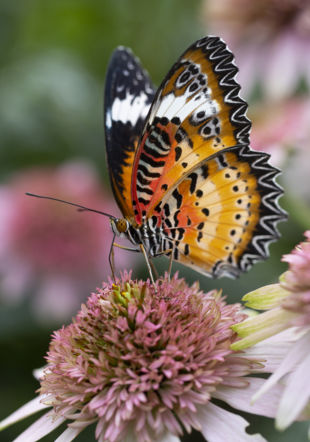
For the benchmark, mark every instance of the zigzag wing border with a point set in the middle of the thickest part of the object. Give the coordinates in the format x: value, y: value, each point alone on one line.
x: 224, y: 67
x: 226, y: 70
x: 266, y: 230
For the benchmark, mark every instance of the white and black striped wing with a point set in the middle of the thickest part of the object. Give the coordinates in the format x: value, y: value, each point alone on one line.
x: 127, y: 100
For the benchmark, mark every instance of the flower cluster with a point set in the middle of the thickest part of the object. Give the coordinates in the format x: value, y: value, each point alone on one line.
x: 145, y: 362
x: 288, y: 311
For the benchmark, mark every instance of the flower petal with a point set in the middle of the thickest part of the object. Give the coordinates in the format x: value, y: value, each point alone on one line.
x: 240, y: 398
x: 69, y: 434
x: 266, y: 297
x: 38, y: 373
x: 26, y: 410
x: 40, y: 428
x: 260, y: 327
x: 292, y: 358
x: 272, y: 350
x: 169, y: 438
x: 296, y: 395
x: 218, y: 425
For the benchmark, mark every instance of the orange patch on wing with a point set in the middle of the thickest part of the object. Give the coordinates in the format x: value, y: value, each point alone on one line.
x: 124, y: 198
x: 223, y: 217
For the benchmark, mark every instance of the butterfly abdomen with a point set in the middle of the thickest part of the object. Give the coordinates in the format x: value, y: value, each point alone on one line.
x: 151, y: 236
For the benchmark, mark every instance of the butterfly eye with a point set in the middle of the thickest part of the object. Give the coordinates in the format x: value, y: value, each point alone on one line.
x: 121, y: 225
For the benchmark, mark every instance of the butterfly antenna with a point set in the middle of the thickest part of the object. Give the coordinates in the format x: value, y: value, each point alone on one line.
x: 80, y: 207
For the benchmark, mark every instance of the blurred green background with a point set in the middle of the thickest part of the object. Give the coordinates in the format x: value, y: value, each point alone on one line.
x: 53, y: 61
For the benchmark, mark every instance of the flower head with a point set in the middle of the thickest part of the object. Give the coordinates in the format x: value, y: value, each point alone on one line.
x: 146, y: 362
x: 269, y: 37
x: 297, y: 281
x: 297, y: 278
x: 50, y: 247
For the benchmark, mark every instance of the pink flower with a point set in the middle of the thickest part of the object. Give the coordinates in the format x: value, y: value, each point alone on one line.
x: 288, y: 311
x: 269, y: 38
x: 280, y: 127
x: 51, y: 246
x: 145, y: 364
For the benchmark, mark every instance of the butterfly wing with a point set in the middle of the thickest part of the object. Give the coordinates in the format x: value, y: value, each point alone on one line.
x: 222, y: 216
x: 196, y: 113
x: 128, y: 96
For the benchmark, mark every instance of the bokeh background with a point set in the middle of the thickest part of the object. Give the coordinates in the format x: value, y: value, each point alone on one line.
x: 53, y: 61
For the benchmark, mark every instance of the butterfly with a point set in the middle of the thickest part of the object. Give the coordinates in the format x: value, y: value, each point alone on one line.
x: 182, y: 172
x: 187, y: 183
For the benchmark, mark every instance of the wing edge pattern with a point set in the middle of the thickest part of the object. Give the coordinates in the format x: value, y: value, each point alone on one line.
x: 226, y: 71
x: 266, y: 231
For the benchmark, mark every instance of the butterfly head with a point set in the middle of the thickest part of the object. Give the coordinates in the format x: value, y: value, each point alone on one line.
x: 119, y: 226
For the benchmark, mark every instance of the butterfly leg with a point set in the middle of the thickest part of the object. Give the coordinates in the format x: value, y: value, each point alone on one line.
x: 111, y: 259
x: 147, y: 263
x: 170, y: 262
x: 166, y: 252
x: 153, y: 268
x: 111, y: 255
x: 131, y: 249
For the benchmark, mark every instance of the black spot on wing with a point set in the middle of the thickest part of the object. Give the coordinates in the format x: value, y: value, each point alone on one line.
x: 178, y: 153
x: 193, y: 177
x: 176, y: 121
x: 204, y: 171
x: 178, y: 197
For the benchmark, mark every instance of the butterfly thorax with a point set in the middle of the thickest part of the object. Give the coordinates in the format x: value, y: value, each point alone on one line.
x: 148, y: 234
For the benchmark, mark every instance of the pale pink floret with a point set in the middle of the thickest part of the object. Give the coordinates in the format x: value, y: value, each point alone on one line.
x: 297, y: 281
x: 49, y: 247
x: 298, y: 276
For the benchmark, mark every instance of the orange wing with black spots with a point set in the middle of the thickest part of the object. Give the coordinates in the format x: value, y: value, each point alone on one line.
x: 222, y: 216
x: 196, y: 112
x: 128, y: 97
